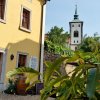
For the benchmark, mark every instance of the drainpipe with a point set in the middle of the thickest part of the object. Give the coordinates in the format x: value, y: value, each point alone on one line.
x: 43, y: 14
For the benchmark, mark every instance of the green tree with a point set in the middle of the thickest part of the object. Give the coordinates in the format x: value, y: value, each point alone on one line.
x: 56, y: 49
x: 90, y: 44
x: 57, y: 36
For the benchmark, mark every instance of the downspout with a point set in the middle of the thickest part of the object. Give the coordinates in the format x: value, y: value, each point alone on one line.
x: 43, y: 14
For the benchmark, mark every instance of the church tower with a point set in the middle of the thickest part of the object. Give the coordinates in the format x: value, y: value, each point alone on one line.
x: 76, y: 31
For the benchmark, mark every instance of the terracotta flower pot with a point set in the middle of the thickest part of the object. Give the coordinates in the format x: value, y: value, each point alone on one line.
x: 21, y: 86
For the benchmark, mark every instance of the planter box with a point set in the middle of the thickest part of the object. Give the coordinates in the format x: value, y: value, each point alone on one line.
x: 39, y: 86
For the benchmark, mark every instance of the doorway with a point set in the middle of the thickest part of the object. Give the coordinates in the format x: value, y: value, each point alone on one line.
x: 22, y: 60
x: 1, y: 63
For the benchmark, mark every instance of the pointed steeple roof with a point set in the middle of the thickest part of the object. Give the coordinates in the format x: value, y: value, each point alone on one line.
x: 76, y: 10
x: 75, y: 15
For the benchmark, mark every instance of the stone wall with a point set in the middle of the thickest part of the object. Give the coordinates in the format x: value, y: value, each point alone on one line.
x: 65, y: 68
x: 52, y: 57
x: 49, y: 57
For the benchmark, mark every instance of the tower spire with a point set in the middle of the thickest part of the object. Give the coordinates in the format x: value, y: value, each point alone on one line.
x: 76, y: 10
x: 76, y: 15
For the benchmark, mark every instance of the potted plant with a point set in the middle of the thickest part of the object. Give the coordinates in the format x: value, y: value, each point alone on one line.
x: 24, y: 77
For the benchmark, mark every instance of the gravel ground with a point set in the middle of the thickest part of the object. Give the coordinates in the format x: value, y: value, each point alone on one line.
x: 17, y: 97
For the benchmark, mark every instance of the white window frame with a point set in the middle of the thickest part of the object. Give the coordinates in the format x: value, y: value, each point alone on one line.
x: 26, y: 54
x: 21, y: 27
x: 5, y: 11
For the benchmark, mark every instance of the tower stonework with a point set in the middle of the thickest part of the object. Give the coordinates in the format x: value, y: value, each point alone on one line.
x: 76, y: 31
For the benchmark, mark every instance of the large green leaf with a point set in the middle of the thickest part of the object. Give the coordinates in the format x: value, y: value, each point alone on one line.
x: 98, y: 79
x: 91, y: 82
x: 50, y: 70
x: 22, y: 70
x: 49, y: 88
x: 85, y: 79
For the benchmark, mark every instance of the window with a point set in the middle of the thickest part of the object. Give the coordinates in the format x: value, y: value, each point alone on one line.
x: 79, y: 25
x: 74, y: 41
x: 1, y: 63
x: 22, y: 60
x: 77, y: 41
x: 25, y: 20
x: 2, y: 9
x: 76, y: 34
x: 72, y: 25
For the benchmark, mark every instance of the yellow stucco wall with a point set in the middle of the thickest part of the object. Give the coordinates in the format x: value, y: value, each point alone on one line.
x: 15, y: 40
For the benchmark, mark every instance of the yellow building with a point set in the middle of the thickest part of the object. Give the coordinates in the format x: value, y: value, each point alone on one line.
x: 21, y: 28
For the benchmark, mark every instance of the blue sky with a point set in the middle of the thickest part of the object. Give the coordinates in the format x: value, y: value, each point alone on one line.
x: 60, y: 12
